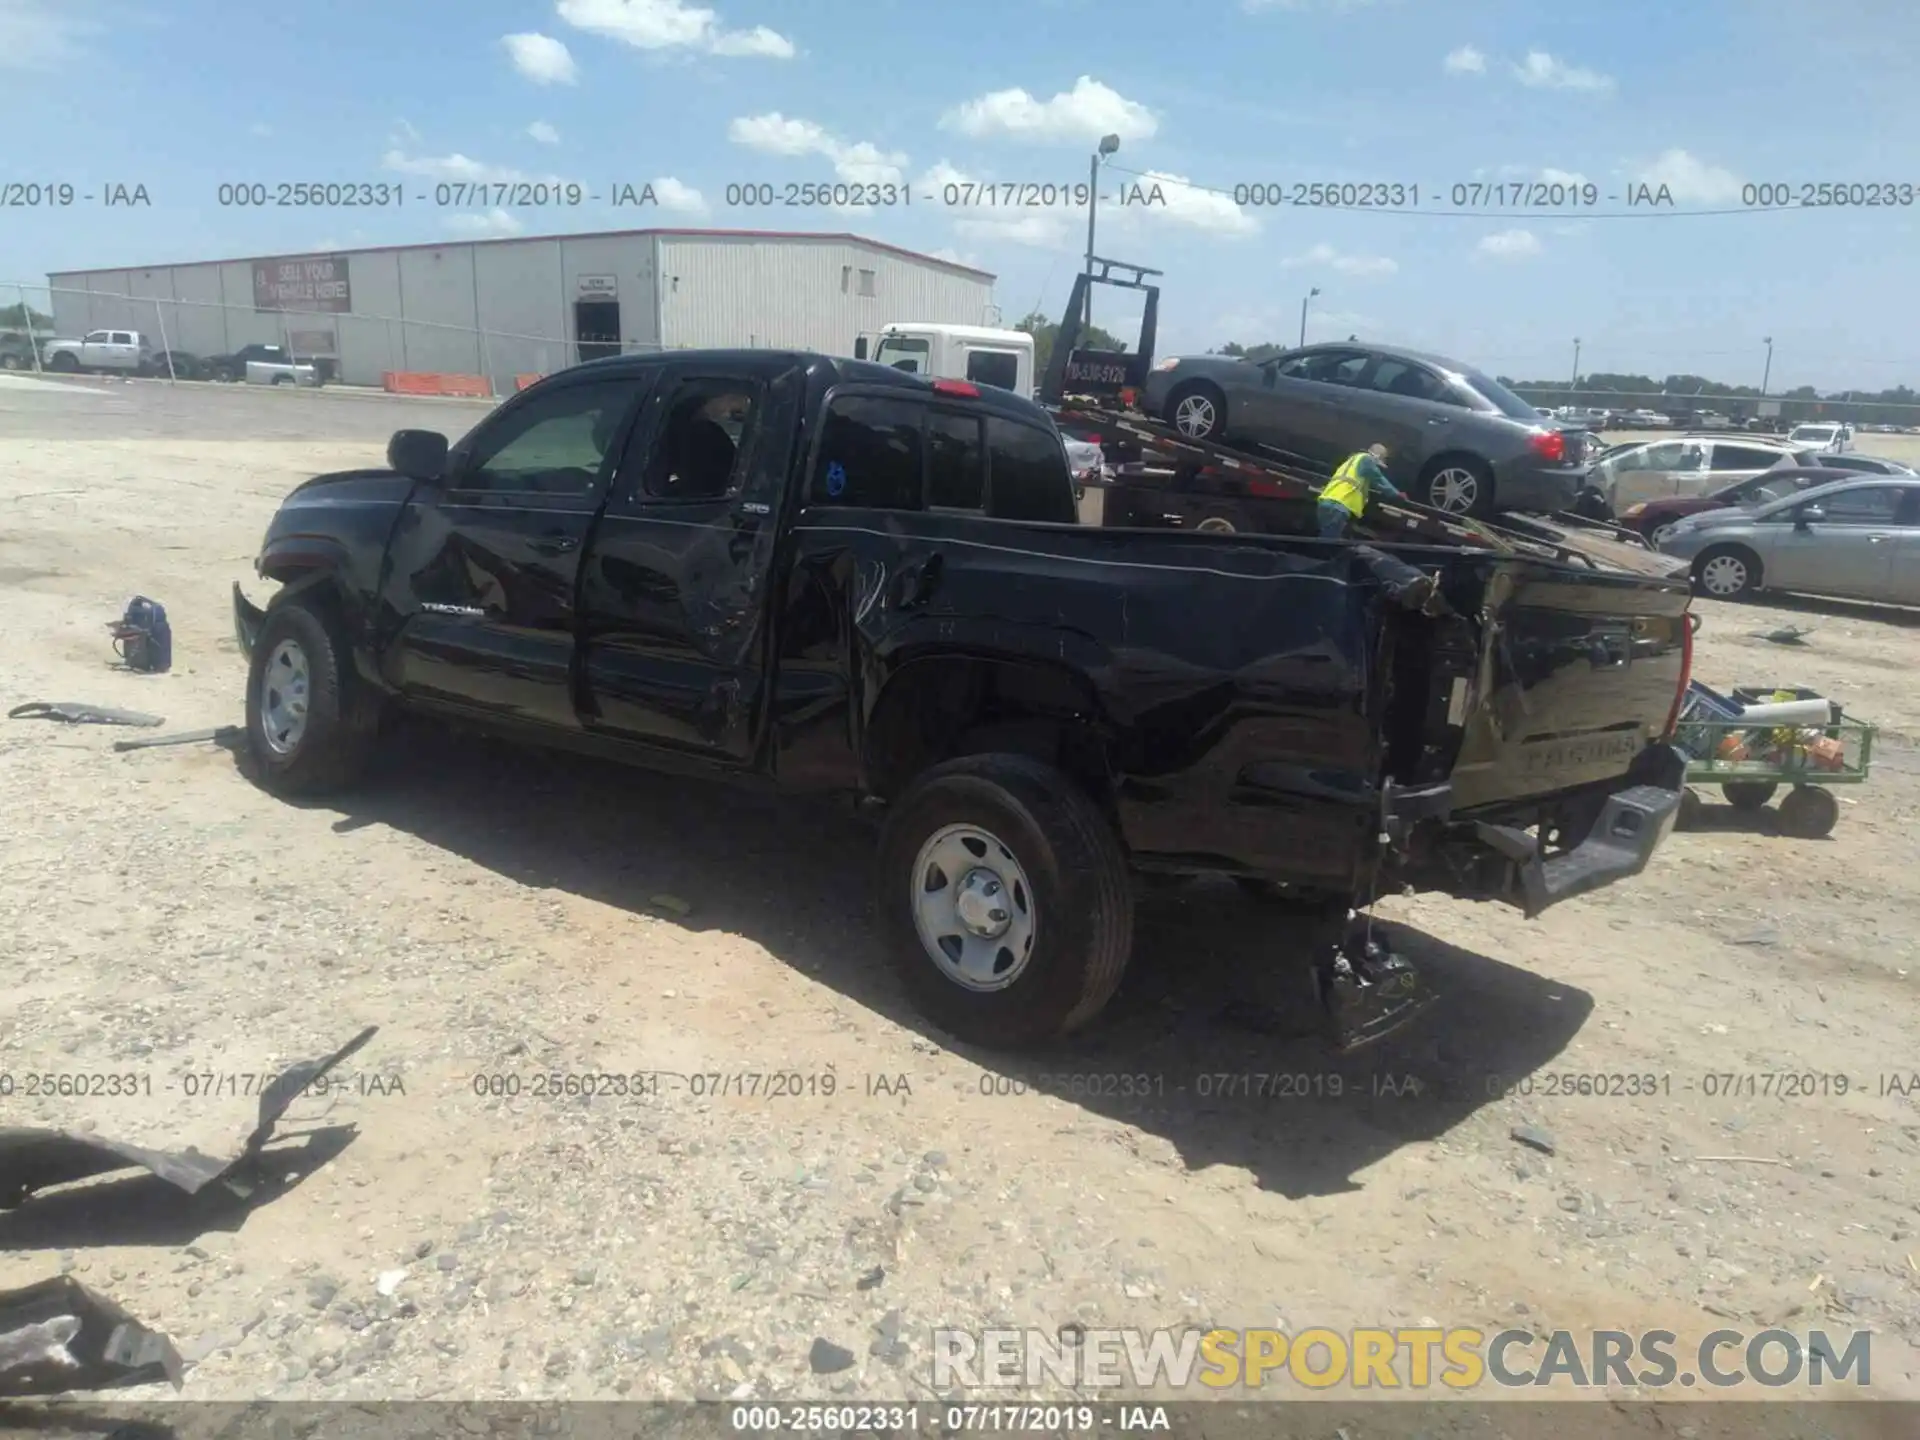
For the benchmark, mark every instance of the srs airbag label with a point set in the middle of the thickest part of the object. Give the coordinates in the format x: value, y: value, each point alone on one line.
x: 1578, y: 754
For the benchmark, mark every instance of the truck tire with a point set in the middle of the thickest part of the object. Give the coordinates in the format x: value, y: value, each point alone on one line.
x: 64, y: 363
x: 310, y: 722
x: 1197, y: 410
x: 1217, y: 522
x: 1047, y: 926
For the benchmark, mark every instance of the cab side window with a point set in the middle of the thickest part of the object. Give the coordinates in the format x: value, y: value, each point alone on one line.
x: 870, y: 454
x: 704, y: 438
x: 1028, y: 474
x: 554, y: 444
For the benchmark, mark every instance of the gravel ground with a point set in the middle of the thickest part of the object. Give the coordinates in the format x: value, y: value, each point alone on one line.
x: 503, y: 916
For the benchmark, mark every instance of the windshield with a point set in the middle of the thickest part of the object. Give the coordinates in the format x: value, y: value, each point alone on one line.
x: 1501, y: 398
x: 1814, y: 432
x: 904, y: 354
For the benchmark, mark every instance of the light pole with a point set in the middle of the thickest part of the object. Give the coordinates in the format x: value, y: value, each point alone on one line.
x: 1108, y: 144
x: 1574, y: 383
x: 1767, y: 374
x: 1303, y: 312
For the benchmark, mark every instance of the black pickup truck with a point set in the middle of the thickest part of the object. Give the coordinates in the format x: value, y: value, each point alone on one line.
x: 832, y: 576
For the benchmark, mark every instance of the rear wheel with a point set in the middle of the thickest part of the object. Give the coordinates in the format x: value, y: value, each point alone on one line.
x: 64, y: 363
x: 11, y: 362
x: 311, y: 723
x: 1006, y: 898
x: 1197, y: 411
x: 1727, y: 573
x: 1458, y: 484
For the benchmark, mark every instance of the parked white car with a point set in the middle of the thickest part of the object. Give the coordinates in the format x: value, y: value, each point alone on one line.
x: 281, y: 372
x: 1837, y: 438
x: 126, y: 351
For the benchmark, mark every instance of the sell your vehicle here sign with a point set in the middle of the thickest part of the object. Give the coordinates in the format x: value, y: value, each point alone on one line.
x: 312, y: 284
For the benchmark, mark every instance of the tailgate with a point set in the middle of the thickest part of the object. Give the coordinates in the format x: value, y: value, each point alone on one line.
x: 1576, y: 673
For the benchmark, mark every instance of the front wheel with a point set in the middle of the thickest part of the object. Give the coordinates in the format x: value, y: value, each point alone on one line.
x: 310, y: 723
x: 1006, y: 898
x: 1660, y: 534
x: 65, y: 364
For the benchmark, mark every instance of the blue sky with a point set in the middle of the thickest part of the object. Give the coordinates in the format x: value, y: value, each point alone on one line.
x: 1707, y: 97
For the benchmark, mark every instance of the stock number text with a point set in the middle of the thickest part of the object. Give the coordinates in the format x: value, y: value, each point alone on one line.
x: 1367, y: 195
x: 289, y: 194
x: 1779, y: 195
x: 806, y: 195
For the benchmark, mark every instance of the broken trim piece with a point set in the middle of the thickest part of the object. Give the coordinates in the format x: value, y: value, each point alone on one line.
x: 75, y: 712
x: 31, y: 1159
x: 57, y: 1336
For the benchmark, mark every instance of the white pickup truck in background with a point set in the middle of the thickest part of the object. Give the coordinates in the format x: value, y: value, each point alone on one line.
x: 125, y: 351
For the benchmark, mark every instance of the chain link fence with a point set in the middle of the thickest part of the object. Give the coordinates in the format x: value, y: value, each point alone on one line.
x: 1686, y: 407
x: 186, y: 337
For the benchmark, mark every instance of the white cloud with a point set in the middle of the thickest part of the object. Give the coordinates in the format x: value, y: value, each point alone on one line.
x: 954, y: 257
x: 670, y: 25
x: 1690, y: 179
x: 494, y: 223
x: 448, y: 167
x: 39, y: 34
x: 541, y: 58
x: 857, y: 162
x: 1041, y: 229
x: 1325, y: 257
x: 673, y: 195
x: 1510, y: 245
x: 544, y: 133
x: 1087, y: 112
x: 1552, y: 176
x: 1543, y: 72
x: 1466, y: 61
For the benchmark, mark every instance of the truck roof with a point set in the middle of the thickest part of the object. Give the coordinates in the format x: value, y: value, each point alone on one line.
x: 960, y: 332
x: 832, y: 368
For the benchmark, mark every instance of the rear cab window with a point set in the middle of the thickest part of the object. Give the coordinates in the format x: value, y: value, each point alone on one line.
x: 884, y: 452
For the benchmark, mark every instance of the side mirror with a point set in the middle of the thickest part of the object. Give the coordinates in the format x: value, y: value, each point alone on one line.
x: 418, y: 454
x: 1807, y: 516
x: 860, y: 348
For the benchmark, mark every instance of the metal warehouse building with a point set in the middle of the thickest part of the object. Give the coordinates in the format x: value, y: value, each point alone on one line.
x: 502, y: 308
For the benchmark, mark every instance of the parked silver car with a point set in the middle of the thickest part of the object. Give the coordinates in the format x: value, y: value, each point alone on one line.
x: 1685, y: 465
x: 1857, y: 539
x: 1459, y: 440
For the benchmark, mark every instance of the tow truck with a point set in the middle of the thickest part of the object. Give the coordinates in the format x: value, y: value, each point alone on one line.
x: 1155, y: 477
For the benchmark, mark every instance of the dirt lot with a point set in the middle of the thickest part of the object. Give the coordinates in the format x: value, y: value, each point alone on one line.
x: 500, y: 914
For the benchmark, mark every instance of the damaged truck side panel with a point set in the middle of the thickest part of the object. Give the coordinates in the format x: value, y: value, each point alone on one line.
x: 833, y: 608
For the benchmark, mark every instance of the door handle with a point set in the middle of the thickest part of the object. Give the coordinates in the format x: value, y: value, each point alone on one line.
x: 555, y: 545
x: 916, y: 583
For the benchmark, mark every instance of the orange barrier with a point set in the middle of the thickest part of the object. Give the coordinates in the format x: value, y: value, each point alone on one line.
x: 413, y: 382
x: 521, y: 382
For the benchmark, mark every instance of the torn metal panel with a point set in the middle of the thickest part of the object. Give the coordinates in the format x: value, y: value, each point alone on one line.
x: 31, y: 1159
x: 76, y: 712
x: 57, y: 1336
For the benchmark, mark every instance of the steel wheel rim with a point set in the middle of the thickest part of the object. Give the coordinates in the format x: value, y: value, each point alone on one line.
x: 1724, y: 575
x: 973, y: 908
x: 284, y: 686
x: 1214, y: 525
x: 1194, y: 415
x: 1455, y: 490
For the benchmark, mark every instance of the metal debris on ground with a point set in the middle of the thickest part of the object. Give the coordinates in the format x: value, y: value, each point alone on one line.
x: 75, y: 712
x: 57, y: 1336
x: 32, y: 1158
x: 1534, y: 1138
x: 1785, y: 635
x: 218, y: 735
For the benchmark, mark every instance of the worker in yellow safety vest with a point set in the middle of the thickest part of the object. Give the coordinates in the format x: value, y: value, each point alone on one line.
x: 1344, y: 497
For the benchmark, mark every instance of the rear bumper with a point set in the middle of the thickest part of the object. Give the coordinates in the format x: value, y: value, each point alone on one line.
x: 1632, y: 825
x: 1542, y: 491
x: 1503, y: 858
